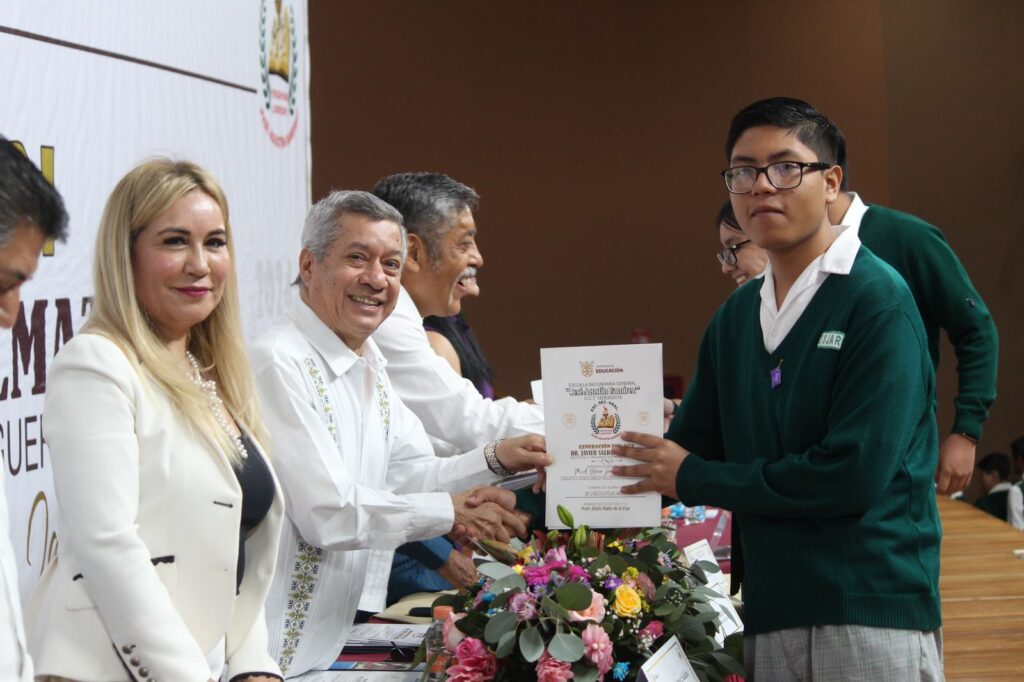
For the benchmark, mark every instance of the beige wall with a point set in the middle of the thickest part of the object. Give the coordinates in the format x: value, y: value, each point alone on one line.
x: 593, y: 132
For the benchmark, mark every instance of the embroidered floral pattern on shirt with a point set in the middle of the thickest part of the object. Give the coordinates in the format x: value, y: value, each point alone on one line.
x: 308, y: 558
x: 383, y: 407
x: 304, y: 576
x: 313, y: 369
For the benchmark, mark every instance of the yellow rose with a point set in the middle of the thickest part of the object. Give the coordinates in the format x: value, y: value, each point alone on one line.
x: 518, y: 568
x: 627, y: 602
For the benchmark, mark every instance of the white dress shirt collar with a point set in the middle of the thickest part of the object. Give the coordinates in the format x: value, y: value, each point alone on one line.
x: 337, y: 356
x: 776, y: 322
x: 854, y: 213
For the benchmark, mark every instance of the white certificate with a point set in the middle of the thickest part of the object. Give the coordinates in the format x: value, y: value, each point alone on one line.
x: 591, y: 395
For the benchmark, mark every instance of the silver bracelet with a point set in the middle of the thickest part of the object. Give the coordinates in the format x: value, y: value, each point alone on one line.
x: 491, y: 457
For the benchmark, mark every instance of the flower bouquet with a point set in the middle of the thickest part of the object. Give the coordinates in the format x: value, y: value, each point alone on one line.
x: 570, y: 605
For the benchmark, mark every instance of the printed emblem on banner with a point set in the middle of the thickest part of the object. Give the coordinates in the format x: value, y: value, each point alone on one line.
x: 587, y: 368
x: 643, y: 418
x: 279, y: 71
x: 604, y: 419
x: 569, y: 420
x: 832, y: 340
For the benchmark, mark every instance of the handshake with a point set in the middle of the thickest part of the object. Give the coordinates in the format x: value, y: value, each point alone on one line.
x: 489, y: 513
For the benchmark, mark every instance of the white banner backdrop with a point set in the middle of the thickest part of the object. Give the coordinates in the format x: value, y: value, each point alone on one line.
x: 92, y: 87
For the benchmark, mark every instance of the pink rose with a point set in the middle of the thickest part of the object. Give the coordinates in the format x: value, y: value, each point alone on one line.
x: 453, y: 635
x: 594, y: 612
x: 553, y: 670
x: 470, y: 646
x: 654, y: 629
x: 475, y: 662
x: 646, y: 585
x: 461, y: 673
x: 597, y: 648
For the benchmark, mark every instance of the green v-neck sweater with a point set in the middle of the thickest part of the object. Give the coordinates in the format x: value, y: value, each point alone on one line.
x: 946, y: 299
x: 830, y: 472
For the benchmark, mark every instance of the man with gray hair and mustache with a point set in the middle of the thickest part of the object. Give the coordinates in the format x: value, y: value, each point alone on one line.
x: 358, y: 472
x: 440, y: 270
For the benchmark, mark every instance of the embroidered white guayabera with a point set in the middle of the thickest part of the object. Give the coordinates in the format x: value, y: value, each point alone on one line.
x: 358, y: 472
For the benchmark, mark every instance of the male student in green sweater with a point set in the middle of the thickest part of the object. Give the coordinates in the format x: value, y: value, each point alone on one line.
x: 810, y: 415
x: 947, y: 300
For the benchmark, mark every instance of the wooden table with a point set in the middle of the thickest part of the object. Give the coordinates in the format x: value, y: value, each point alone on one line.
x: 982, y: 586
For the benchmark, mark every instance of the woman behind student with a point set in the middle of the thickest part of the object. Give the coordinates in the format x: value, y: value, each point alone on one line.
x: 170, y: 513
x: 740, y: 258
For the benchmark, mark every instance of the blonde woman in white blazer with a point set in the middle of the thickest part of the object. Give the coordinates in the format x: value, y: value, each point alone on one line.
x: 170, y: 513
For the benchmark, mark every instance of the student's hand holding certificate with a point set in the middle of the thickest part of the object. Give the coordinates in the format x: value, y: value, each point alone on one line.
x: 661, y: 460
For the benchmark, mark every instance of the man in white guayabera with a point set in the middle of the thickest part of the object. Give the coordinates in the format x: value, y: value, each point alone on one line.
x: 358, y: 471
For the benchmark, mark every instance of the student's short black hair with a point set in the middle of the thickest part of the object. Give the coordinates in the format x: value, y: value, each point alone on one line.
x: 998, y: 462
x: 844, y: 186
x: 810, y: 126
x: 1017, y: 447
x: 26, y: 197
x: 727, y: 216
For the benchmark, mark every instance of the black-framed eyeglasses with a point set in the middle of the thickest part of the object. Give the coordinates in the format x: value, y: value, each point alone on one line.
x: 782, y: 175
x: 727, y: 256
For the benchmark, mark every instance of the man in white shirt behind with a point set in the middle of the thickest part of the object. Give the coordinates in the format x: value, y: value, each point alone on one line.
x: 438, y: 214
x: 31, y: 211
x: 357, y: 468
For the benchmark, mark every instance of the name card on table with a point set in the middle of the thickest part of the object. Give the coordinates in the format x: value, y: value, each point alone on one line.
x: 728, y: 619
x: 591, y: 395
x: 668, y: 664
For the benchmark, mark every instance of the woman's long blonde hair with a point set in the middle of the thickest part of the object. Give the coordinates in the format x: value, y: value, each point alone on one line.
x: 143, y: 194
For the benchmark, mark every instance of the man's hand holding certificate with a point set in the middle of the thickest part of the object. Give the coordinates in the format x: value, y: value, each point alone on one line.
x: 593, y: 396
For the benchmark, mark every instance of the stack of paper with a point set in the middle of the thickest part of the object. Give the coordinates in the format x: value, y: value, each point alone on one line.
x: 385, y: 635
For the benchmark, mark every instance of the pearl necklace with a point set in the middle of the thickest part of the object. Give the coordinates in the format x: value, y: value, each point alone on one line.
x: 209, y: 388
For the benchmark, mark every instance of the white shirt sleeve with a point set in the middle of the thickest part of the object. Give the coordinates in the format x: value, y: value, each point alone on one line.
x: 324, y: 499
x: 1015, y: 507
x: 414, y: 467
x: 15, y: 663
x: 449, y: 406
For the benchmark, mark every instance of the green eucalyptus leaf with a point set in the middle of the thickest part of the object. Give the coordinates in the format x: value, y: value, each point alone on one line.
x: 498, y: 625
x: 566, y: 647
x: 709, y: 566
x: 648, y: 554
x: 706, y: 616
x: 473, y: 624
x: 664, y: 609
x: 495, y: 570
x: 617, y: 564
x: 506, y: 645
x: 509, y: 582
x: 728, y: 664
x: 574, y: 596
x: 531, y: 646
x: 583, y: 672
x: 600, y: 561
x: 589, y: 552
x: 553, y: 609
x: 690, y: 629
x: 502, y: 599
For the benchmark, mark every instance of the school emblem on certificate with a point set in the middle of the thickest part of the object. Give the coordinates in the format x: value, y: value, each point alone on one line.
x: 596, y: 393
